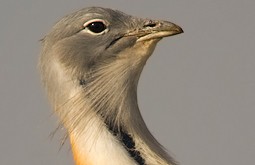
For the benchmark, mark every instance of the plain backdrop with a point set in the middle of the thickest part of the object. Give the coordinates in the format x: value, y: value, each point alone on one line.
x: 197, y: 91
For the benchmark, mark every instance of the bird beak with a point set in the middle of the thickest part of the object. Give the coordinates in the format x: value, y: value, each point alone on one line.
x: 155, y: 30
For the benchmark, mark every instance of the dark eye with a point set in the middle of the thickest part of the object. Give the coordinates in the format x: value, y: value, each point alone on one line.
x: 96, y: 27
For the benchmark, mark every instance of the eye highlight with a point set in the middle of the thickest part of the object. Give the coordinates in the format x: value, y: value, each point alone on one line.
x: 96, y: 27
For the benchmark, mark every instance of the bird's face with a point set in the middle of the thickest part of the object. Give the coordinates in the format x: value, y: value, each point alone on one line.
x: 93, y: 37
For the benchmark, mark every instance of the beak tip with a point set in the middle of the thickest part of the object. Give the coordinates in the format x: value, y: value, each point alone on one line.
x: 177, y: 29
x: 181, y: 30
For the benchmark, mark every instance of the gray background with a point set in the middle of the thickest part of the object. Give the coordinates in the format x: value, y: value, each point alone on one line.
x: 197, y: 92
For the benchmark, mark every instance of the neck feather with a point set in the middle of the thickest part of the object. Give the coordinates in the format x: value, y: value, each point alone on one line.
x: 99, y: 110
x: 104, y: 110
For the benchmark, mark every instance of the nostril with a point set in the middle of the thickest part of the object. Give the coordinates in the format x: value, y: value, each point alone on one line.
x: 150, y: 24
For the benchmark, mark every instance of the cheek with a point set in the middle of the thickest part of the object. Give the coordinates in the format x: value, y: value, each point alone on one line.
x: 75, y: 54
x: 121, y: 45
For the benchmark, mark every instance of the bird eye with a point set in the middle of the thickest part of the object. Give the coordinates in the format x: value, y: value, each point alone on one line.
x: 96, y: 27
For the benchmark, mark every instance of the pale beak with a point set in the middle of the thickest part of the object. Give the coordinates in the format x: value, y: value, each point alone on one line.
x: 155, y: 30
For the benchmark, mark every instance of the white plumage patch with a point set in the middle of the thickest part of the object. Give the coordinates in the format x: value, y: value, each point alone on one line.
x: 99, y: 146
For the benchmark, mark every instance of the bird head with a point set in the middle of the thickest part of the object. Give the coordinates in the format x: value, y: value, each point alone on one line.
x: 94, y: 37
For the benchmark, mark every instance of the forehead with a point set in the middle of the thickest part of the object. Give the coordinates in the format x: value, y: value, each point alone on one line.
x: 109, y: 15
x: 73, y: 23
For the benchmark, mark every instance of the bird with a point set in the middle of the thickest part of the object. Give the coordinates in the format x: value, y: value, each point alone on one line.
x: 90, y: 63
